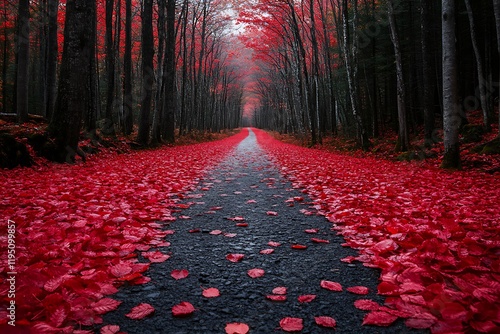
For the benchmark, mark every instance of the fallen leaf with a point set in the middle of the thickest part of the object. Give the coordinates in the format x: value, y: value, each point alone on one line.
x: 251, y: 201
x: 280, y: 290
x: 179, y: 274
x: 306, y: 298
x: 378, y: 318
x: 235, y: 257
x: 241, y: 224
x: 230, y: 235
x: 182, y: 309
x: 274, y: 244
x: 140, y: 311
x: 237, y: 328
x: 211, y: 292
x: 216, y: 232
x: 267, y: 251
x: 105, y: 305
x: 299, y: 246
x: 366, y: 305
x: 110, y: 329
x: 332, y: 286
x: 324, y: 321
x: 276, y: 298
x: 359, y: 290
x: 312, y: 230
x: 255, y: 273
x: 320, y: 241
x: 291, y: 324
x: 271, y: 213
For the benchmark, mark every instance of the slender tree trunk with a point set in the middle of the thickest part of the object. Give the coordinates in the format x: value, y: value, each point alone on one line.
x: 5, y: 61
x: 52, y: 55
x: 403, y: 140
x: 451, y: 113
x: 427, y: 70
x: 128, y: 101
x: 147, y: 71
x: 496, y: 6
x: 170, y: 89
x: 73, y: 98
x: 110, y: 70
x: 23, y: 53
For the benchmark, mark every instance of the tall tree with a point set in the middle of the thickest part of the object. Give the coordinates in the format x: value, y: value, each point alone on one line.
x: 128, y: 121
x: 427, y: 70
x: 169, y: 80
x: 451, y: 112
x: 496, y: 6
x: 73, y: 97
x: 23, y: 52
x: 147, y: 71
x: 403, y: 141
x: 110, y: 69
x: 480, y: 69
x: 52, y: 54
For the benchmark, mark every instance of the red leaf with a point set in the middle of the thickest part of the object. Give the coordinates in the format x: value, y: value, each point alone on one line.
x: 216, y: 232
x: 237, y: 328
x: 366, y: 305
x: 312, y: 231
x: 156, y: 257
x: 298, y: 246
x: 256, y: 272
x: 242, y: 224
x: 306, y: 298
x: 388, y: 289
x: 348, y: 259
x: 280, y: 290
x: 276, y: 298
x: 359, y: 290
x: 332, y: 286
x: 325, y: 321
x: 211, y: 293
x: 378, y: 318
x: 274, y: 244
x: 291, y: 324
x: 120, y: 269
x: 271, y: 213
x: 421, y: 321
x: 230, y: 235
x: 267, y: 251
x: 179, y: 273
x: 140, y: 311
x: 251, y: 201
x: 235, y: 257
x: 237, y: 218
x: 105, y: 305
x: 182, y: 309
x: 110, y: 329
x: 194, y: 230
x: 320, y: 241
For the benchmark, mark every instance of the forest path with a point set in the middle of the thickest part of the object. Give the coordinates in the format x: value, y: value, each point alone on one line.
x: 248, y: 185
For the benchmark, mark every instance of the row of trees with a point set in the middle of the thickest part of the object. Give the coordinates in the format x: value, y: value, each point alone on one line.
x: 111, y: 65
x: 365, y: 66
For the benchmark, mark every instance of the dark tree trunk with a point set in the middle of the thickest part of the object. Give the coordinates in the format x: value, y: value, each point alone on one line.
x: 52, y: 54
x: 170, y: 89
x: 496, y: 8
x: 147, y: 72
x: 110, y: 70
x: 427, y: 70
x: 23, y: 48
x: 127, y: 71
x: 73, y: 98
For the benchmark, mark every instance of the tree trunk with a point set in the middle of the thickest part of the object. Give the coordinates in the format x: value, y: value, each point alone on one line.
x: 73, y: 96
x: 427, y: 70
x: 110, y: 70
x: 52, y: 55
x: 451, y: 114
x: 403, y: 141
x: 170, y: 89
x: 480, y: 70
x: 128, y: 121
x: 147, y: 71
x: 496, y: 6
x: 91, y: 115
x: 23, y: 48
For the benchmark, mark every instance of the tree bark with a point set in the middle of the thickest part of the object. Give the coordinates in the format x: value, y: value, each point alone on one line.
x: 427, y: 70
x: 52, y: 55
x: 110, y: 70
x: 147, y: 71
x: 169, y: 80
x: 73, y: 96
x: 128, y: 121
x: 403, y: 140
x: 451, y: 113
x: 23, y: 48
x: 496, y: 6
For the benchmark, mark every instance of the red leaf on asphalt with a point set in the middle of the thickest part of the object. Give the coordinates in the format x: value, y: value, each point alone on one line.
x: 216, y: 232
x: 182, y: 309
x: 348, y: 259
x: 110, y: 329
x: 140, y: 311
x: 230, y: 235
x: 105, y: 305
x: 179, y: 273
x: 242, y: 224
x: 251, y: 201
x: 276, y: 298
x: 274, y: 244
x: 280, y: 290
x: 267, y: 251
x: 359, y: 290
x: 298, y: 246
x: 215, y: 208
x: 306, y: 298
x: 271, y: 213
x: 332, y: 286
x: 291, y: 324
x: 237, y: 219
x: 194, y: 230
x: 156, y: 257
x: 237, y: 328
x: 320, y: 241
x: 378, y: 318
x: 324, y: 321
x: 235, y: 257
x: 184, y: 217
x: 366, y: 305
x: 121, y: 269
x: 211, y: 292
x: 255, y: 273
x: 312, y: 231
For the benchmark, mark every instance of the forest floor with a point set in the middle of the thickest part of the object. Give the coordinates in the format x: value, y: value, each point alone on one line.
x: 197, y: 238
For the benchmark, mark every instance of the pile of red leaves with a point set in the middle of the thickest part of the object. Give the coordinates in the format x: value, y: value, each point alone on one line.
x: 80, y: 228
x: 434, y: 234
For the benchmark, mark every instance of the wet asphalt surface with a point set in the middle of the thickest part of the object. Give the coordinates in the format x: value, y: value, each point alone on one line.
x: 247, y: 175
